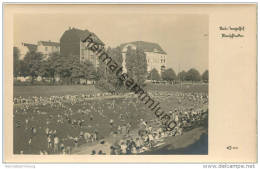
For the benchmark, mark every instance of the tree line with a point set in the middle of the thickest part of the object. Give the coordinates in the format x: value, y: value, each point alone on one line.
x: 192, y: 75
x: 69, y: 70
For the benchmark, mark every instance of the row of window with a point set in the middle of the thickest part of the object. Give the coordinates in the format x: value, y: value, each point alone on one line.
x: 162, y: 61
x: 53, y: 48
x: 86, y: 52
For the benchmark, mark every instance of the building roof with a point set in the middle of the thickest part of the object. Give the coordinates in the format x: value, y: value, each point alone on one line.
x: 31, y: 47
x: 50, y: 43
x: 146, y: 46
x: 82, y: 34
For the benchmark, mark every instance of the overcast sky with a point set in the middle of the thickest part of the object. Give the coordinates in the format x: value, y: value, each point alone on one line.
x: 183, y: 37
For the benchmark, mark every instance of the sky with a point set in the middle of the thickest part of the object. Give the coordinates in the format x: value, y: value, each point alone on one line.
x: 184, y: 37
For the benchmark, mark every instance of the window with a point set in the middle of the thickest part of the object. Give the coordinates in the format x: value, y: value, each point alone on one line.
x: 46, y: 48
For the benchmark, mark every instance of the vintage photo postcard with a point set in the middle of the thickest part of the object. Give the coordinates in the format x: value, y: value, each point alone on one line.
x: 129, y: 83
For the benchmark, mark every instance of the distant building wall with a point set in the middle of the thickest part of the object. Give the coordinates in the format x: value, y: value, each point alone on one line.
x: 69, y: 45
x: 87, y: 54
x: 155, y: 58
x: 44, y: 47
x: 23, y: 50
x: 47, y: 48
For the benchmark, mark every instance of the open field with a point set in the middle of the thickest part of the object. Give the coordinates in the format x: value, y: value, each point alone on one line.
x: 72, y: 119
x: 47, y: 91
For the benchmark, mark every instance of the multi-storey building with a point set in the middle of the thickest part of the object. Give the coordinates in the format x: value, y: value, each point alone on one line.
x: 24, y: 48
x: 47, y: 48
x: 156, y: 57
x: 44, y: 47
x: 71, y: 45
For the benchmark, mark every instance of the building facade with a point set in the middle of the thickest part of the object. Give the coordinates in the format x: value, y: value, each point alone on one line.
x: 24, y: 48
x: 44, y: 47
x: 47, y: 48
x: 156, y: 57
x: 71, y: 45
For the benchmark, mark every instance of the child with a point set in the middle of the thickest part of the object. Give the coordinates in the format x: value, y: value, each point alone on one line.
x: 87, y: 136
x: 26, y: 124
x: 56, y: 144
x: 93, y: 152
x: 30, y: 141
x: 95, y: 136
x: 111, y: 122
x: 34, y: 130
x: 112, y: 150
x: 150, y: 136
x: 123, y: 148
x: 62, y: 148
x: 68, y: 149
x: 81, y: 134
x: 49, y: 142
x: 47, y: 131
x: 119, y: 129
x: 76, y: 139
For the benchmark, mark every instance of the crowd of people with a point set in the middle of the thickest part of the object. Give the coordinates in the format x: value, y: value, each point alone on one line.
x: 45, y: 100
x: 61, y: 124
x: 151, y: 134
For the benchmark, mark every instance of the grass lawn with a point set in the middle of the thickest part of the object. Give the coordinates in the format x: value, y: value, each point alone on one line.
x: 47, y: 91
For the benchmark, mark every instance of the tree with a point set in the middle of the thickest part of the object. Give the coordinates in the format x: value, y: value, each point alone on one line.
x: 24, y: 69
x: 136, y: 64
x: 205, y: 76
x: 101, y: 71
x: 130, y: 60
x: 44, y: 69
x: 169, y: 75
x: 182, y: 75
x: 193, y: 75
x: 117, y: 57
x: 87, y: 70
x: 107, y: 79
x: 49, y: 67
x: 74, y: 68
x: 154, y: 75
x: 70, y: 68
x: 16, y: 62
x: 32, y: 64
x: 141, y: 66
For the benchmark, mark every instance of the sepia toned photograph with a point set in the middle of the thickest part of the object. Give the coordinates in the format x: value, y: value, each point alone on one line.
x: 129, y: 83
x: 136, y: 85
